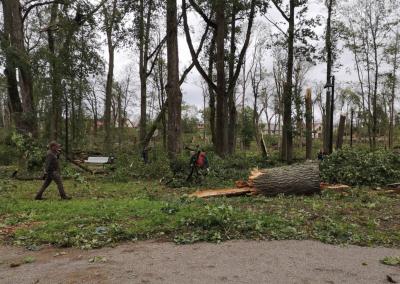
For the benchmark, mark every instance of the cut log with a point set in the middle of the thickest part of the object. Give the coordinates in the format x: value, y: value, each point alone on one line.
x: 86, y: 169
x: 223, y: 192
x: 294, y: 179
x: 241, y: 184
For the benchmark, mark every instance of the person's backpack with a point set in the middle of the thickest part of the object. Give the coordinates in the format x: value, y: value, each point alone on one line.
x: 201, y: 161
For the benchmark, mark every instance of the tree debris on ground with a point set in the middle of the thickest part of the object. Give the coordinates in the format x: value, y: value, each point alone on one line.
x: 223, y: 192
x: 300, y: 179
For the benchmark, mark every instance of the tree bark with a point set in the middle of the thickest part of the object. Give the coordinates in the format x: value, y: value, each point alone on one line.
x: 109, y: 22
x: 231, y: 94
x: 17, y: 58
x: 144, y: 34
x: 211, y: 92
x: 309, y: 122
x: 375, y: 92
x: 221, y: 111
x: 393, y: 90
x: 328, y: 46
x: 294, y: 179
x: 174, y: 94
x: 339, y: 141
x: 287, y: 131
x: 56, y: 90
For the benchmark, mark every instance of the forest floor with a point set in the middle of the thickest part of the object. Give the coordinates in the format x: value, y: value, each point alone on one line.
x: 228, y: 262
x: 127, y: 232
x: 104, y: 213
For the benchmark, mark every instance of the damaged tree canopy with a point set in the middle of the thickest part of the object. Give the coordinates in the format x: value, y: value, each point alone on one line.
x: 294, y: 179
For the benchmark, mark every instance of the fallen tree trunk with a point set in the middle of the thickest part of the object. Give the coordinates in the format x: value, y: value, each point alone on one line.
x: 86, y: 169
x: 294, y: 179
x: 223, y: 192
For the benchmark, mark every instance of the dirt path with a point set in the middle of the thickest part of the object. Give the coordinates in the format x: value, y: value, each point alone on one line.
x: 229, y: 262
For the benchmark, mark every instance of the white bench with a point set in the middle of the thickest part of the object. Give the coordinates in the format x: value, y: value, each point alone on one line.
x: 99, y: 160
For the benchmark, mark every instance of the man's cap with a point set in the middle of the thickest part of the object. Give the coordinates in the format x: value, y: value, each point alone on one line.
x: 54, y: 143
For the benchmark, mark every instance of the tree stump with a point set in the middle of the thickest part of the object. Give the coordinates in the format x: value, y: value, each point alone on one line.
x: 295, y: 179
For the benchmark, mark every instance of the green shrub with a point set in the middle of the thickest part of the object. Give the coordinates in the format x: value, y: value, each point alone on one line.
x: 361, y: 167
x: 222, y: 172
x: 31, y: 154
x: 132, y: 167
x: 8, y: 155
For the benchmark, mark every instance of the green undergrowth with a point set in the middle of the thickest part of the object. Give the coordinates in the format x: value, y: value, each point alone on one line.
x: 104, y: 213
x: 222, y: 172
x: 361, y: 167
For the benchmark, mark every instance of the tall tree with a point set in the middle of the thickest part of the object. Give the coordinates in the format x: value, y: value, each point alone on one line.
x: 367, y: 25
x: 297, y: 44
x: 55, y: 71
x: 113, y: 25
x: 222, y: 88
x: 109, y: 24
x: 329, y: 62
x: 174, y: 94
x: 62, y: 35
x: 309, y: 118
x: 147, y: 57
x: 287, y: 129
x: 16, y: 56
x: 393, y: 52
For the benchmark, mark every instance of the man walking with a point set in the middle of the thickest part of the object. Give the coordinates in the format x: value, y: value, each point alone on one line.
x: 52, y: 171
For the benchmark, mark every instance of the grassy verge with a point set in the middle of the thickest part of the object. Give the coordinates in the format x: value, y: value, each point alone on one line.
x: 104, y: 213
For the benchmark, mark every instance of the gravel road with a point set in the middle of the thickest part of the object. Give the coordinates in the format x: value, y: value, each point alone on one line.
x: 228, y: 262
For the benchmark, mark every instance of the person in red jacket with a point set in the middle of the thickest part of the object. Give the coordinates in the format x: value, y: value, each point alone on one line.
x: 198, y: 160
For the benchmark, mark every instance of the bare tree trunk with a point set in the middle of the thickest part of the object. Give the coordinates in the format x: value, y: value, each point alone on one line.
x: 231, y: 94
x: 211, y: 92
x: 342, y: 122
x: 142, y: 75
x: 144, y: 34
x: 287, y: 135
x: 221, y: 111
x: 17, y: 58
x: 56, y: 89
x: 309, y: 122
x: 2, y: 113
x: 13, y: 94
x: 108, y: 98
x: 174, y: 138
x: 375, y: 93
x: 162, y: 99
x: 109, y: 22
x: 243, y: 99
x: 120, y: 119
x: 393, y: 91
x: 329, y: 61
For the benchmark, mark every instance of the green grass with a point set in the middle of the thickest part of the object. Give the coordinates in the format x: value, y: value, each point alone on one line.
x: 105, y: 213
